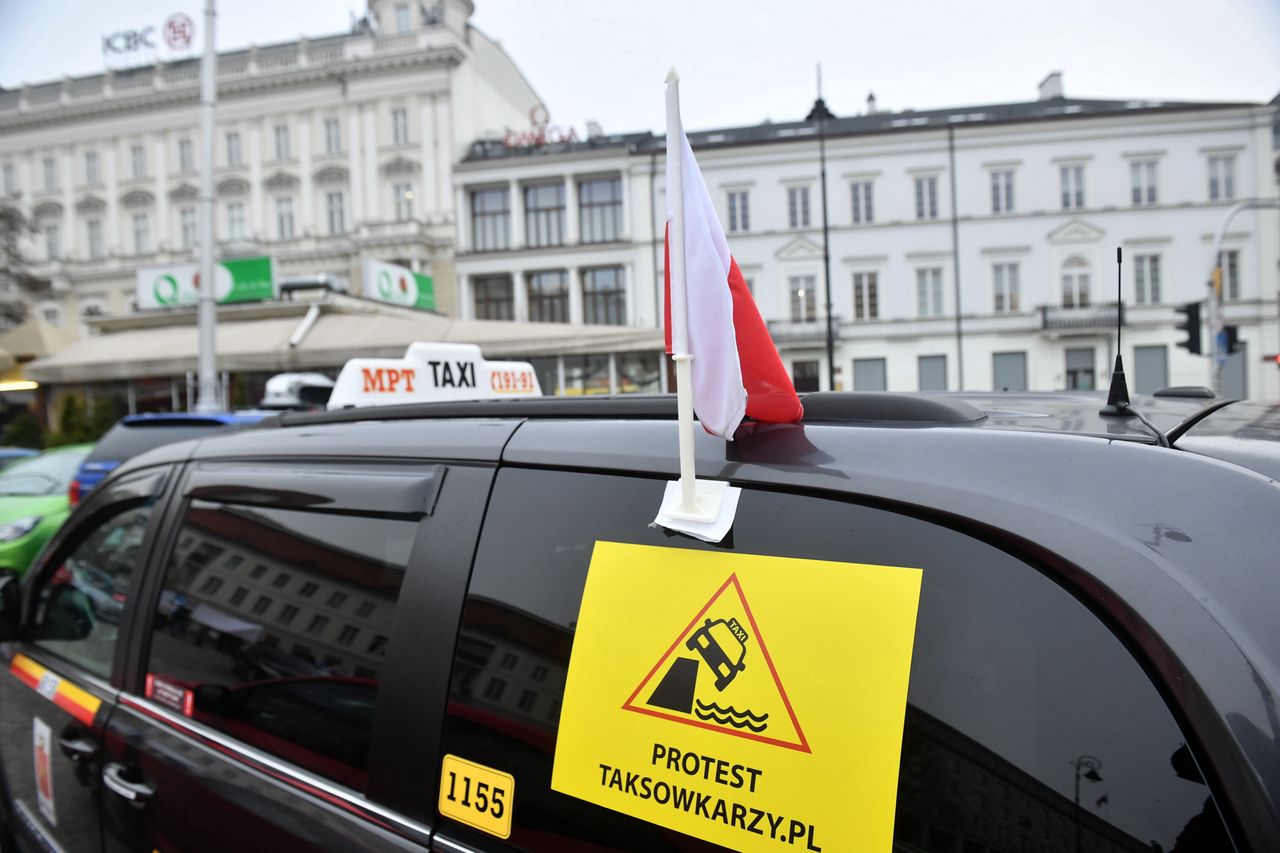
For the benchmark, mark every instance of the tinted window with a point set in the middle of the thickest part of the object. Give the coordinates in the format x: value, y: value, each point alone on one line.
x: 48, y: 474
x: 272, y: 667
x: 79, y: 604
x: 125, y: 442
x: 1015, y: 686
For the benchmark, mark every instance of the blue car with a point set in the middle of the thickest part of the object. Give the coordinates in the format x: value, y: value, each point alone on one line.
x: 134, y: 434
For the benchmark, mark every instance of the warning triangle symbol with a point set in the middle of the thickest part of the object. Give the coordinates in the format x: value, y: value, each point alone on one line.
x: 717, y: 675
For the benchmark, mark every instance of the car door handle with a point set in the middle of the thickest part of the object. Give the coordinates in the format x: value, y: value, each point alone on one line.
x: 137, y: 793
x: 79, y: 749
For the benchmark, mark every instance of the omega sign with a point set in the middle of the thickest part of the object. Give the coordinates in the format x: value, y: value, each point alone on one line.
x: 178, y: 33
x: 541, y: 133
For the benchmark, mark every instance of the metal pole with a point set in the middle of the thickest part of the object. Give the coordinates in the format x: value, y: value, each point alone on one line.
x: 826, y: 255
x: 207, y: 399
x: 1214, y: 318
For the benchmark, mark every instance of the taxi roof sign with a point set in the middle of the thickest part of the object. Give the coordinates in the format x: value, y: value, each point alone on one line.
x: 431, y: 372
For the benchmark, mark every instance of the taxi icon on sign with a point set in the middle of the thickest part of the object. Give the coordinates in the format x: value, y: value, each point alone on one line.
x: 722, y: 646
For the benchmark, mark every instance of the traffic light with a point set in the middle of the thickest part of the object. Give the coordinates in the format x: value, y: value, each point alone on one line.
x: 1191, y: 325
x: 1233, y: 339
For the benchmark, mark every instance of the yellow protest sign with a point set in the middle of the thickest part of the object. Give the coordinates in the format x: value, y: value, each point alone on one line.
x: 742, y: 699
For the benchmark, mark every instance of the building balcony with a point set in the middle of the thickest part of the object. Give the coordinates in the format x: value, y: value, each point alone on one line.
x: 810, y: 332
x: 1084, y: 318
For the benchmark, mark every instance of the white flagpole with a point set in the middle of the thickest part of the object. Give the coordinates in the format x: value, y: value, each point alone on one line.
x: 679, y: 310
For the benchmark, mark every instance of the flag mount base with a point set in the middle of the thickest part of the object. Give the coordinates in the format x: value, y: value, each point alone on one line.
x: 711, y: 517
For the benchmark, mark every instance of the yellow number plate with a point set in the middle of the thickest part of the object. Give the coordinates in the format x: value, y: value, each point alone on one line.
x: 478, y: 796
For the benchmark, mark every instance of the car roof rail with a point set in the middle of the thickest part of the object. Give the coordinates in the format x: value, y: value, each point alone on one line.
x: 887, y: 407
x: 1195, y: 392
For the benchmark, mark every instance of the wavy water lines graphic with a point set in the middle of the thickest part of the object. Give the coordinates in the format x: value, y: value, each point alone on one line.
x: 731, y: 716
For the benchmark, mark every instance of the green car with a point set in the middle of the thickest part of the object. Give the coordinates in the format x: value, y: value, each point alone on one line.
x: 33, y: 502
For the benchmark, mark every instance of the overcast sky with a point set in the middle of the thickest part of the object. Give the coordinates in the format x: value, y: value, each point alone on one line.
x: 744, y: 60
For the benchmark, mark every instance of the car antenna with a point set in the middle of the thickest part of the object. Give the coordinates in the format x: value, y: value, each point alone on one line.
x: 1118, y: 397
x: 1118, y: 404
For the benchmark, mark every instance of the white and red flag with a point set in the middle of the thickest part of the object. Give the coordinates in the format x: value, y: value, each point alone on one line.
x: 736, y: 368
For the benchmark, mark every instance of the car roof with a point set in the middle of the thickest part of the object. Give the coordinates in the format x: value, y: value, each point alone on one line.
x: 190, y: 418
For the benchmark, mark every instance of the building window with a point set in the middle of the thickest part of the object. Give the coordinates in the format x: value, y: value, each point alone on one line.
x: 1072, y: 178
x: 1146, y: 278
x: 604, y: 299
x: 399, y: 127
x: 317, y: 624
x: 281, y: 580
x: 332, y: 136
x: 1229, y: 260
x: 1142, y: 175
x: 348, y: 635
x: 402, y: 18
x: 927, y: 197
x: 544, y: 215
x: 335, y: 210
x: 233, y: 149
x: 186, y: 156
x: 600, y: 209
x: 804, y: 306
x: 260, y: 606
x: 1075, y: 283
x: 539, y: 673
x: 51, y: 314
x: 286, y: 614
x: 187, y: 224
x: 282, y: 142
x: 10, y: 182
x: 1080, y: 372
x: 308, y: 589
x: 869, y: 374
x: 336, y: 600
x: 141, y: 233
x: 548, y: 297
x: 1004, y: 278
x: 494, y: 689
x: 365, y: 610
x: 863, y: 204
x: 1002, y: 191
x: 235, y: 221
x: 493, y: 297
x: 798, y: 207
x: 258, y: 571
x: 509, y: 660
x: 93, y: 235
x: 239, y: 595
x: 490, y: 220
x: 804, y: 375
x: 284, y: 218
x: 52, y: 240
x: 138, y: 161
x: 739, y: 211
x: 402, y: 194
x: 50, y: 174
x: 91, y: 167
x: 527, y: 700
x: 932, y: 371
x: 929, y: 291
x: 1222, y: 178
x: 866, y: 301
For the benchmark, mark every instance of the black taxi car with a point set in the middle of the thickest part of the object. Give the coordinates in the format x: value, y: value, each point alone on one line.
x: 354, y: 630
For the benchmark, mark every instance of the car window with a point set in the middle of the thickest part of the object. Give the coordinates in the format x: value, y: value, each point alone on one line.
x: 78, y: 604
x: 125, y: 441
x: 273, y: 625
x: 1028, y: 724
x: 48, y: 474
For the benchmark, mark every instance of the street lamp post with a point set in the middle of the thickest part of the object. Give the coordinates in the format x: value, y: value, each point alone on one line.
x: 1087, y: 767
x: 821, y: 114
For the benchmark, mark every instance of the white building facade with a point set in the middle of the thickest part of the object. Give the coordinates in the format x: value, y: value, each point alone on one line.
x: 970, y: 248
x: 327, y: 151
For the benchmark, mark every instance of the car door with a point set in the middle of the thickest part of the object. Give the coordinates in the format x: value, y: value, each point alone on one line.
x: 1029, y: 725
x: 264, y: 710
x: 57, y: 691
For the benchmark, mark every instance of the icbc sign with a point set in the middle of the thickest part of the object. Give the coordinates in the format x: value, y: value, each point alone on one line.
x: 179, y: 31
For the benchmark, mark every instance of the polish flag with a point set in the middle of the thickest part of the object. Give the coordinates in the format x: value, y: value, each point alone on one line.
x: 736, y: 368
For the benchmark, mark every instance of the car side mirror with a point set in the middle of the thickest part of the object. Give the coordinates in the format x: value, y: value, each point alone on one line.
x: 10, y: 605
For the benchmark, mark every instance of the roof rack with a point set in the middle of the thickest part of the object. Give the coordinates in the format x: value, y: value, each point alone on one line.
x: 820, y: 407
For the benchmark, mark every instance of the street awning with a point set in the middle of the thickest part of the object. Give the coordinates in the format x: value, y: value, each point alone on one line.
x: 338, y: 334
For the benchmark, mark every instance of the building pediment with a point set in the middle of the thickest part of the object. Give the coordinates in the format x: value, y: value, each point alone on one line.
x: 47, y: 209
x: 90, y: 204
x: 331, y: 175
x: 137, y: 198
x: 1075, y: 231
x: 400, y: 166
x: 184, y: 192
x: 799, y: 249
x: 233, y: 186
x: 281, y: 181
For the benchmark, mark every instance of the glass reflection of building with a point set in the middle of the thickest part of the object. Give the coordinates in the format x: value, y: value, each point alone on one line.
x: 308, y: 599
